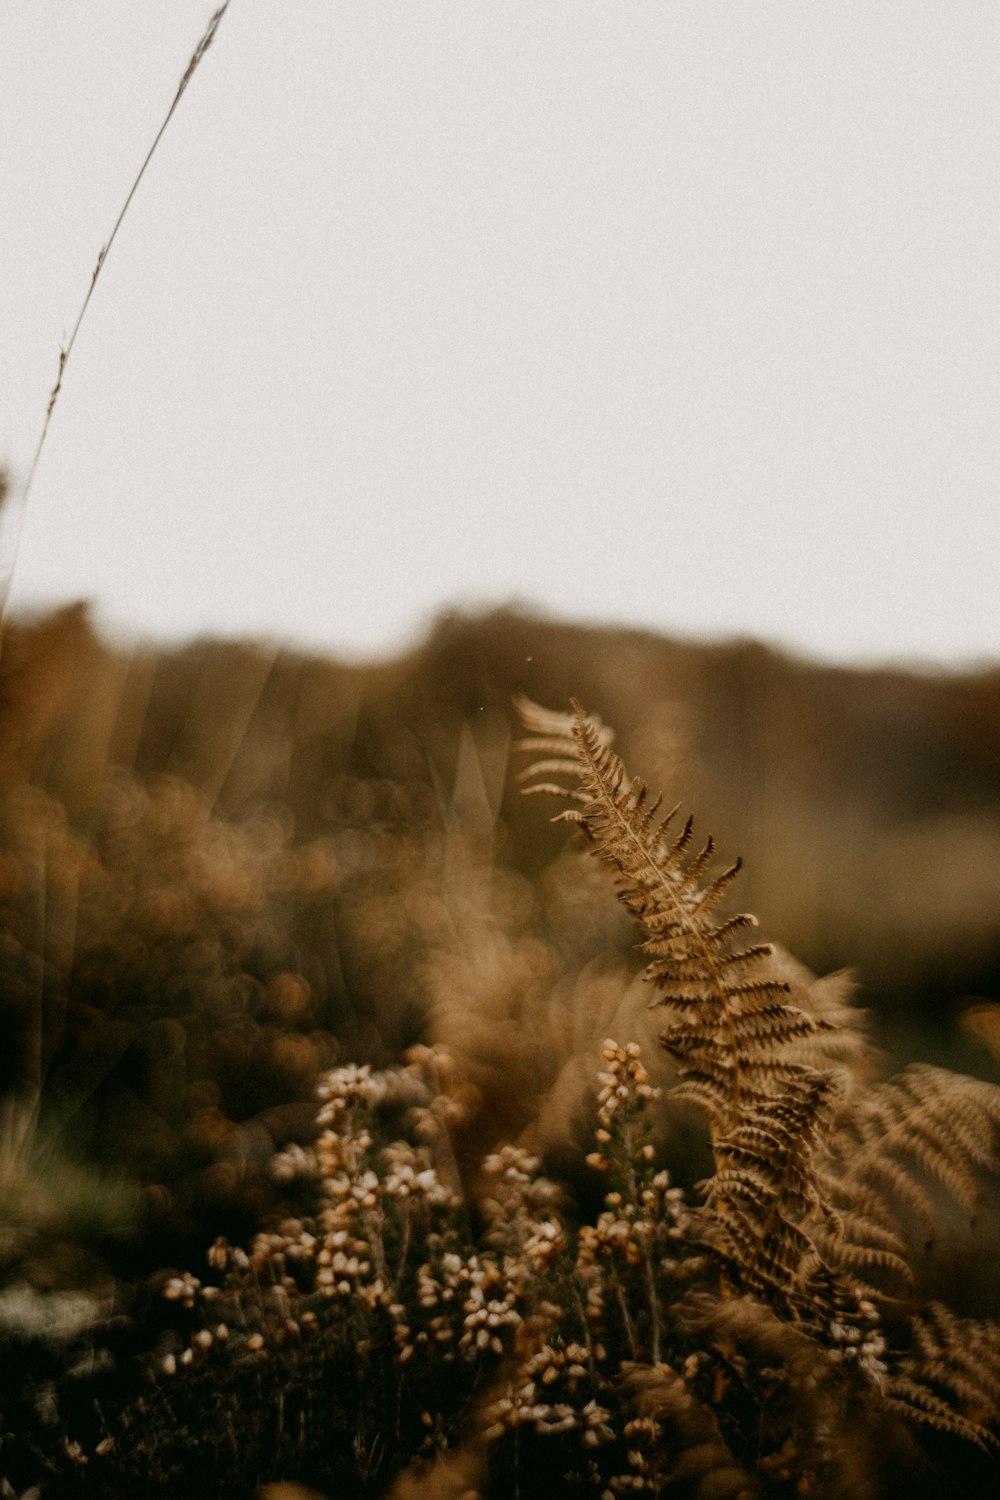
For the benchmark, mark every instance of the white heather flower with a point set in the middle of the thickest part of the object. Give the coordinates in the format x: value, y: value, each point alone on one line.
x: 184, y: 1288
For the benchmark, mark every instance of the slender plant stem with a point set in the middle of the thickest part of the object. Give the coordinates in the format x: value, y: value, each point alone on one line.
x: 206, y: 40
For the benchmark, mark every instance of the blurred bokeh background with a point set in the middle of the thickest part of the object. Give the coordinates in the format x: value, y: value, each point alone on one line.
x: 226, y: 867
x: 434, y: 330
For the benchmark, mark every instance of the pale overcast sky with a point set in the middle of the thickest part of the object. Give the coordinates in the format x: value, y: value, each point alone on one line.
x: 680, y: 315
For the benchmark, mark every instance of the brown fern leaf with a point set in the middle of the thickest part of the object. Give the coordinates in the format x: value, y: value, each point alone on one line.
x: 891, y: 1154
x: 764, y: 1202
x: 735, y: 1037
x: 816, y: 1180
x: 844, y: 1042
x: 733, y: 1024
x: 950, y: 1378
x: 551, y: 739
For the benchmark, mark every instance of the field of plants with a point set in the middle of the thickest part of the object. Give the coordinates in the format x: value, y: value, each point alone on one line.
x: 398, y: 1098
x: 354, y: 1136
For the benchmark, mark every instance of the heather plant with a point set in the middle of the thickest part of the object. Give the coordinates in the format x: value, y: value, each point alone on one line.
x: 438, y: 1307
x: 395, y: 1319
x: 472, y: 1271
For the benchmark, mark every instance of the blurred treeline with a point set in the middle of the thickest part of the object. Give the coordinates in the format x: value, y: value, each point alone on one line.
x: 226, y: 866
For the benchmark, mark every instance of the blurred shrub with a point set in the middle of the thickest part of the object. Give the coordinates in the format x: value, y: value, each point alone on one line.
x: 223, y: 867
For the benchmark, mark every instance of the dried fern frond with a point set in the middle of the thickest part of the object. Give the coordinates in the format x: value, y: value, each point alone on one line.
x: 843, y: 1042
x: 735, y: 1037
x: 734, y: 1024
x: 764, y: 1202
x: 894, y: 1150
x: 950, y: 1378
x: 551, y: 737
x: 817, y: 1179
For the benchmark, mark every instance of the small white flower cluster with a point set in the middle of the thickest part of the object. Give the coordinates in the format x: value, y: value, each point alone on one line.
x: 351, y: 1192
x: 642, y: 1213
x: 411, y: 1175
x: 623, y: 1080
x: 644, y: 1477
x: 439, y: 1097
x: 518, y: 1204
x: 471, y: 1296
x: 189, y: 1291
x: 346, y: 1087
x: 292, y: 1163
x: 183, y: 1289
x: 630, y: 1228
x: 488, y: 1307
x: 374, y: 1207
x: 544, y: 1246
x: 513, y: 1166
x: 860, y: 1343
x: 386, y: 1262
x: 529, y: 1400
x: 199, y: 1344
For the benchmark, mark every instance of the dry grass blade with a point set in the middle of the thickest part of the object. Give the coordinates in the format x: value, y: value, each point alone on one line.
x: 205, y: 41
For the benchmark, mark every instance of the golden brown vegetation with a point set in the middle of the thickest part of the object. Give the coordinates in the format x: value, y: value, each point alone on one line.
x: 488, y: 1265
x: 232, y: 877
